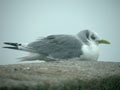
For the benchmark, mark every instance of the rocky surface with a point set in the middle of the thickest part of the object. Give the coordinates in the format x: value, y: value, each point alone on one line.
x: 63, y: 75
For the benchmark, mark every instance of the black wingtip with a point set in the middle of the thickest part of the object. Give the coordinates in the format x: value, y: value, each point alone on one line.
x: 11, y: 47
x: 9, y: 43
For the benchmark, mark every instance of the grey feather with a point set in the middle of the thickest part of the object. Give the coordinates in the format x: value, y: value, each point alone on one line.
x: 84, y: 36
x: 58, y: 46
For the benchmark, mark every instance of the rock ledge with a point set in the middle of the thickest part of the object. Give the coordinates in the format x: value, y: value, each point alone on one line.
x: 63, y: 75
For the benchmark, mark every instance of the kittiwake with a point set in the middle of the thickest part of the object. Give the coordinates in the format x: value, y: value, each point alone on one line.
x: 82, y: 46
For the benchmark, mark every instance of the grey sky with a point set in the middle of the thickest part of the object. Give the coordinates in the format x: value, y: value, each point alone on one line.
x: 25, y: 20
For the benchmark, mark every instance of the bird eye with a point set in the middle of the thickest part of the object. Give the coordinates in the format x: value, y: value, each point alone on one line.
x: 93, y: 37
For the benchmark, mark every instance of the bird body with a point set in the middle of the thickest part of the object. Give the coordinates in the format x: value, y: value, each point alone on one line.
x: 83, y: 46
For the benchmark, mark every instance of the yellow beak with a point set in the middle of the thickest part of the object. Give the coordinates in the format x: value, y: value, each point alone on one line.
x: 104, y: 42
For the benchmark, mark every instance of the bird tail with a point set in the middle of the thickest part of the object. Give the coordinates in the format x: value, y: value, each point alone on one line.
x: 15, y: 46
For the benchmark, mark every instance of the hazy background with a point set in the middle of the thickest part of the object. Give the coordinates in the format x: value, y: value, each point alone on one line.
x: 25, y: 20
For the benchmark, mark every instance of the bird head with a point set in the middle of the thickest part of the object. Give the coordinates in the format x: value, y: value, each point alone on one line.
x: 89, y: 36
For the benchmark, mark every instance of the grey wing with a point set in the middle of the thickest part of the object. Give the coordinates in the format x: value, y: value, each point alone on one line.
x: 58, y: 46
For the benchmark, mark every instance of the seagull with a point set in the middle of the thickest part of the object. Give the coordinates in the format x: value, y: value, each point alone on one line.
x: 82, y: 46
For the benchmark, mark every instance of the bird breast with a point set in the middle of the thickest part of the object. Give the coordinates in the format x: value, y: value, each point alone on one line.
x: 90, y: 52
